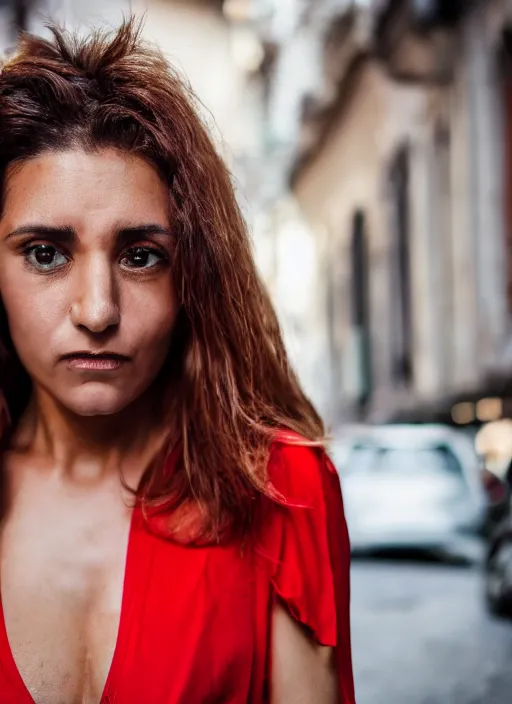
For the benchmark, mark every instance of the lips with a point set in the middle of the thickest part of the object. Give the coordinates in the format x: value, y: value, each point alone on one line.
x: 92, y: 361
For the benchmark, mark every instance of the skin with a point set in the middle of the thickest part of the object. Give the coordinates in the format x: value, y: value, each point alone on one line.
x: 85, y: 266
x: 303, y: 672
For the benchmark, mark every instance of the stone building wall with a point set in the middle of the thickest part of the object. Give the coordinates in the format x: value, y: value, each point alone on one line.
x: 454, y: 136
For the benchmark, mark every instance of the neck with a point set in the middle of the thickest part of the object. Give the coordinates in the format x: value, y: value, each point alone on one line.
x: 92, y: 448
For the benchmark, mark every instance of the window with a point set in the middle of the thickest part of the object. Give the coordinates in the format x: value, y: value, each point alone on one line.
x: 442, y: 262
x: 360, y: 312
x: 506, y: 73
x: 401, y: 314
x: 437, y: 460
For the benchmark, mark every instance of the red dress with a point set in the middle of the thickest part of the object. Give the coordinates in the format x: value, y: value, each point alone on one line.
x: 195, y: 621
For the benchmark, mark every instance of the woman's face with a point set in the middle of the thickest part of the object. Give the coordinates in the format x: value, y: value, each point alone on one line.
x: 85, y: 250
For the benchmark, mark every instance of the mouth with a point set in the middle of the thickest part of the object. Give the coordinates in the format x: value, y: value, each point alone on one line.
x: 95, y: 361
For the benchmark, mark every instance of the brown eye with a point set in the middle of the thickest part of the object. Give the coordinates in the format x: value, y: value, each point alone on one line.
x: 44, y: 257
x: 141, y: 258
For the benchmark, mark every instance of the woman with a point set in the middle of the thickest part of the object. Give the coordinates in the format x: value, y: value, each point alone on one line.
x: 172, y: 530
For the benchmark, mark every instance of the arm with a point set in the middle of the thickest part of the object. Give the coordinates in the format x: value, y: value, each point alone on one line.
x: 310, y: 653
x: 303, y: 672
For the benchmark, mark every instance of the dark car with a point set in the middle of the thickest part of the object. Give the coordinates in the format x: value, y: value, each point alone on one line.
x: 498, y: 563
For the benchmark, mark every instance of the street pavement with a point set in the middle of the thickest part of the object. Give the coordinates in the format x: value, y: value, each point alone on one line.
x: 421, y: 635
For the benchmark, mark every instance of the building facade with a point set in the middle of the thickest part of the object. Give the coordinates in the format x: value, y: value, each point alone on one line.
x: 400, y: 173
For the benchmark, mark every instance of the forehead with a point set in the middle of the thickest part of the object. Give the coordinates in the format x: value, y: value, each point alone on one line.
x: 80, y: 188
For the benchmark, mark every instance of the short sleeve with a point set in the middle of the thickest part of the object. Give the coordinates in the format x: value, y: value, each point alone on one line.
x: 311, y: 551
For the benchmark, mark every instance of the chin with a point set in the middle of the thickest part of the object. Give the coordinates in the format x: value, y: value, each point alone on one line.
x: 98, y: 402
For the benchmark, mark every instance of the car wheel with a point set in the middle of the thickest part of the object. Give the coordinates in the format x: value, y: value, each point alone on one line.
x: 498, y: 583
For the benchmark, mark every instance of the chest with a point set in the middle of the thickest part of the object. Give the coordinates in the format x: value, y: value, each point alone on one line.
x: 62, y: 587
x: 112, y: 614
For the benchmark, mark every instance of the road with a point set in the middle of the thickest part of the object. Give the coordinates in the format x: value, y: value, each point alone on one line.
x: 420, y: 635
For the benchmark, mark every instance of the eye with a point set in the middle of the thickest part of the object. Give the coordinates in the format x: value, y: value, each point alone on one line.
x: 44, y: 257
x: 141, y: 258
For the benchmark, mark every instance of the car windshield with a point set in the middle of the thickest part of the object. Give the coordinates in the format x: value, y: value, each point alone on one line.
x: 433, y: 460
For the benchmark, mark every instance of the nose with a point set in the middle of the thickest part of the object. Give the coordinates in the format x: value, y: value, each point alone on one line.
x: 95, y: 304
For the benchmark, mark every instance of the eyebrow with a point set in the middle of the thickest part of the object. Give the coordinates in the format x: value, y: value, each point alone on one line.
x: 68, y: 235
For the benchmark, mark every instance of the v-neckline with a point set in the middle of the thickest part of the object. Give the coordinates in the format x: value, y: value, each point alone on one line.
x: 119, y: 647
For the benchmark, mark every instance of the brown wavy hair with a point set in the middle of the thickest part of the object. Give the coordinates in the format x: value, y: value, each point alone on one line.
x: 232, y: 384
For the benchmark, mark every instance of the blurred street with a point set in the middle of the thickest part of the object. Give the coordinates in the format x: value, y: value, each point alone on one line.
x: 421, y: 636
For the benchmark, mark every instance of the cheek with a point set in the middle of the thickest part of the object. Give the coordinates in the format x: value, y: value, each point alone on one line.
x: 32, y: 315
x: 153, y: 325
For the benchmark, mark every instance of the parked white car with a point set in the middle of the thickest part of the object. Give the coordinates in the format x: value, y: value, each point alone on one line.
x: 411, y: 487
